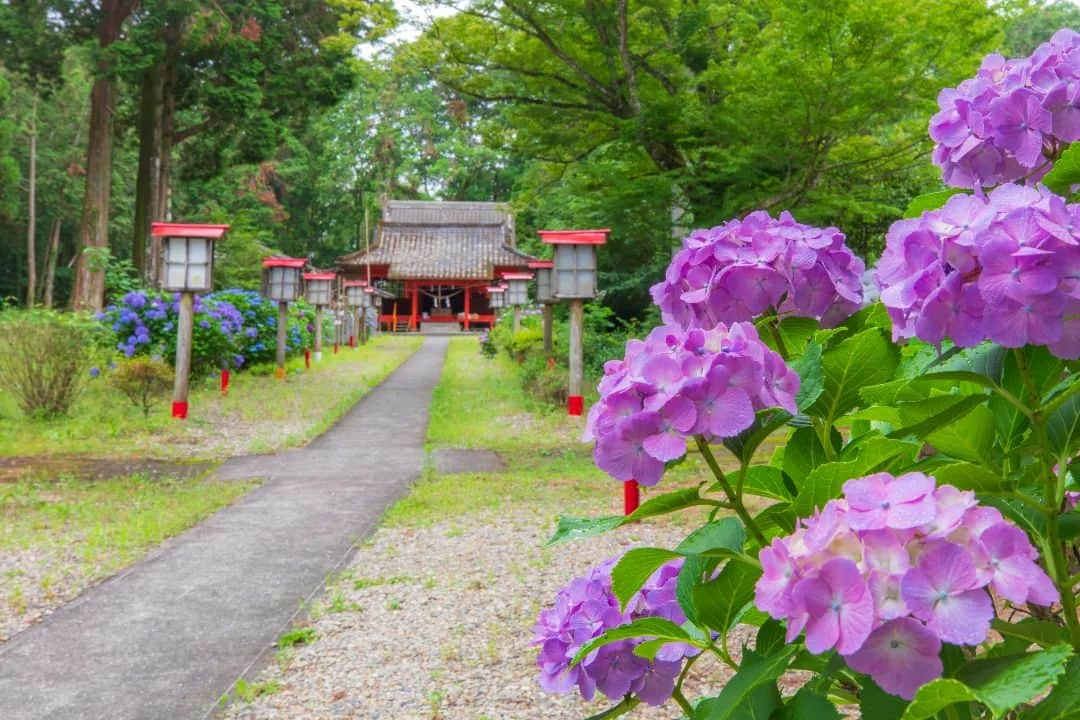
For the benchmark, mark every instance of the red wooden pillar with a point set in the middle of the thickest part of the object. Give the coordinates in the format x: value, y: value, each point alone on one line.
x: 414, y: 318
x: 468, y: 305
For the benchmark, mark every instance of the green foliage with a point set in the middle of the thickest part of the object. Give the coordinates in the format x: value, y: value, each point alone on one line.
x: 297, y: 636
x: 712, y: 110
x: 1066, y: 172
x: 143, y: 381
x: 1001, y: 684
x: 45, y: 358
x: 9, y: 168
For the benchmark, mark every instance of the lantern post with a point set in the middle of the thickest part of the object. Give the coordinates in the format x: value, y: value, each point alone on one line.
x: 517, y: 293
x: 187, y: 268
x: 574, y: 279
x: 545, y: 296
x: 317, y: 291
x: 357, y: 299
x: 573, y: 276
x: 281, y: 282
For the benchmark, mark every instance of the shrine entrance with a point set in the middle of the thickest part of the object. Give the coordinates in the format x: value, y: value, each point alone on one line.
x: 437, y: 259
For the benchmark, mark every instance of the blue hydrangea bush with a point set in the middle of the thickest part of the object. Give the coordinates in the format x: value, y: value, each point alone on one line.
x: 233, y: 328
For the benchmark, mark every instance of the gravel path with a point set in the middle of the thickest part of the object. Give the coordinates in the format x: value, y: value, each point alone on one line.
x: 434, y: 623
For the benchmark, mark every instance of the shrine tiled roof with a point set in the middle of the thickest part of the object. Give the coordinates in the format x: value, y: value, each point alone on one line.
x: 442, y: 240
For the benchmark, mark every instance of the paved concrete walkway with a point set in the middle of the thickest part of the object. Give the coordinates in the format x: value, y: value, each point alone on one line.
x: 165, y: 639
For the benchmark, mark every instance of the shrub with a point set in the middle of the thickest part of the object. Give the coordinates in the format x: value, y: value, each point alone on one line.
x: 544, y: 381
x: 528, y: 340
x: 45, y: 358
x: 487, y: 344
x: 143, y: 381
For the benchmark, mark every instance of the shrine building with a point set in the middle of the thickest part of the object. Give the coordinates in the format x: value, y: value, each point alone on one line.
x: 437, y: 260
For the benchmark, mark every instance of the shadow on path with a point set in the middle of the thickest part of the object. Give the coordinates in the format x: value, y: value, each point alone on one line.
x: 167, y: 637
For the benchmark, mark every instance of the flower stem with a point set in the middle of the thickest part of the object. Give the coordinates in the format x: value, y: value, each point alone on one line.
x: 683, y: 702
x: 1054, y: 491
x: 733, y: 497
x: 774, y: 329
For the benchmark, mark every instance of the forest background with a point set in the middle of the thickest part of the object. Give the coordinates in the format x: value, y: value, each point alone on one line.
x: 292, y: 120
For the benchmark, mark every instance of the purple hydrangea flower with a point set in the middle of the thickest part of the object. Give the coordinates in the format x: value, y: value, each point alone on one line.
x: 887, y: 589
x: 1003, y: 267
x: 583, y: 611
x: 1005, y: 123
x: 679, y: 383
x: 738, y: 270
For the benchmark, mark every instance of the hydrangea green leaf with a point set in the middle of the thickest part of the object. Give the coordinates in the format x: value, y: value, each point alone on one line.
x: 635, y: 568
x: 751, y: 692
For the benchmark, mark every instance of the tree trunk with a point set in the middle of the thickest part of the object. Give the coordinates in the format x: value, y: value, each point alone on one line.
x: 146, y: 192
x: 93, y: 233
x: 166, y: 130
x: 52, y: 255
x: 31, y: 222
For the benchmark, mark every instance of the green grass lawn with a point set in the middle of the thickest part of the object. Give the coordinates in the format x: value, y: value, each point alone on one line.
x: 58, y: 536
x: 480, y: 403
x: 260, y: 414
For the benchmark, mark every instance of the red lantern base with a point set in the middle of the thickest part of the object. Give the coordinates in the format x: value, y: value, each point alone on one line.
x: 307, y: 359
x: 575, y: 405
x: 179, y: 410
x: 352, y: 341
x: 225, y: 381
x: 631, y: 496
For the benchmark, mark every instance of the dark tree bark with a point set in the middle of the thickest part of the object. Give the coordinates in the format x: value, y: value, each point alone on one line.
x: 52, y: 254
x: 31, y: 222
x: 162, y: 186
x: 146, y: 190
x: 93, y: 233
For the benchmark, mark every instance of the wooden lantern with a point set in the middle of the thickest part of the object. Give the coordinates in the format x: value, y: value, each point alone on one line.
x: 517, y: 291
x: 281, y: 278
x: 574, y: 271
x: 319, y: 288
x: 188, y: 250
x: 496, y: 296
x: 188, y: 268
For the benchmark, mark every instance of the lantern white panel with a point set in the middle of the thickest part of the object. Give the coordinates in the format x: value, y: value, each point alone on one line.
x: 281, y: 284
x: 317, y: 292
x: 197, y: 277
x: 518, y: 292
x: 175, y: 250
x: 543, y: 286
x: 197, y: 250
x: 175, y: 276
x: 575, y: 271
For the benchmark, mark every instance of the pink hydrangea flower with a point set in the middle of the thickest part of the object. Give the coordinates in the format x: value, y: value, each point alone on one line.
x: 839, y: 608
x: 893, y: 569
x: 902, y: 655
x: 881, y: 501
x: 943, y: 591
